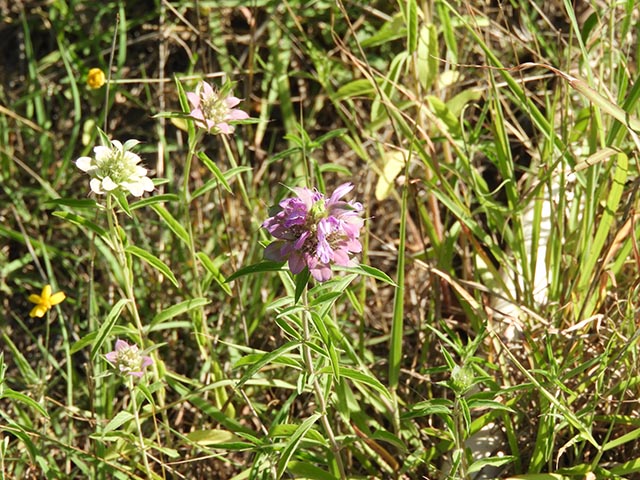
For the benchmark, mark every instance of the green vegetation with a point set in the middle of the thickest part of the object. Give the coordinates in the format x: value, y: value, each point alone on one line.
x: 490, y: 326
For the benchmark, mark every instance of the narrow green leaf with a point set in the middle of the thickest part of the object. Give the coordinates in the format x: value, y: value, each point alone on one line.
x: 213, y: 437
x: 207, y: 187
x: 448, y: 32
x: 389, y: 438
x: 182, y: 96
x: 621, y: 440
x: 308, y: 471
x: 369, y: 271
x: 178, y: 309
x: 288, y: 429
x: 361, y: 88
x: 116, y: 422
x: 217, y: 276
x: 26, y: 371
x: 390, y: 30
x: 89, y: 338
x: 21, y: 397
x: 490, y: 461
x: 283, y: 154
x: 369, y: 380
x: 252, y: 358
x: 338, y: 132
x: 24, y: 436
x: 626, y: 468
x: 591, y: 258
x: 327, y: 343
x: 286, y: 328
x: 73, y: 203
x: 122, y: 201
x: 154, y: 261
x: 171, y: 222
x: 302, y: 280
x: 213, y: 168
x: 256, y: 268
x: 397, y: 323
x: 427, y: 63
x: 441, y: 111
x: 106, y: 327
x: 568, y: 415
x: 293, y: 443
x: 145, y: 202
x: 265, y: 360
x: 412, y: 25
x: 83, y: 222
x: 604, y: 103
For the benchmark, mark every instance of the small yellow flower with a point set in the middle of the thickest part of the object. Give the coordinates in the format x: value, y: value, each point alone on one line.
x: 45, y: 301
x: 96, y: 78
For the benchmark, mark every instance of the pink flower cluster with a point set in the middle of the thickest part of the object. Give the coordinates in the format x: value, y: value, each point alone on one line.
x: 128, y: 359
x: 213, y: 111
x: 315, y: 232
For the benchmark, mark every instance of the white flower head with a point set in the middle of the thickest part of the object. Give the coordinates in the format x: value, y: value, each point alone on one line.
x: 116, y: 167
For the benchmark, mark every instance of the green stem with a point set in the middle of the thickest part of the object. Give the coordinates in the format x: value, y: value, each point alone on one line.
x: 245, y: 198
x: 234, y: 164
x: 69, y: 371
x: 201, y: 327
x: 185, y: 195
x: 308, y: 360
x: 125, y: 263
x: 460, y: 437
x: 139, y: 426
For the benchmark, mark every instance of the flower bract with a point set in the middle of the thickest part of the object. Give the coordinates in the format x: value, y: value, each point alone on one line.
x: 116, y: 167
x: 315, y: 232
x: 212, y: 110
x: 44, y: 301
x: 128, y: 359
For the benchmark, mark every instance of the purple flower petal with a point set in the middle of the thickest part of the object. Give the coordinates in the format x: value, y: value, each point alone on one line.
x: 208, y: 90
x: 340, y: 192
x: 296, y: 262
x: 315, y: 232
x: 224, y: 128
x: 273, y: 252
x: 237, y: 115
x: 214, y: 111
x: 231, y: 101
x: 194, y: 99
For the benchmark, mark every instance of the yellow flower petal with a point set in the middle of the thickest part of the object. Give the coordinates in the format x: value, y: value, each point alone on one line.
x: 38, y: 311
x: 46, y: 293
x: 33, y: 298
x: 44, y: 301
x: 56, y: 298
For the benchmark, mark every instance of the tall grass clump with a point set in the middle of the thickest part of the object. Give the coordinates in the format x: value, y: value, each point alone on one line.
x: 322, y: 240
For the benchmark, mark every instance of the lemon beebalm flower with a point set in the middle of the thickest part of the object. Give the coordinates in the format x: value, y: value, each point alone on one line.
x: 128, y: 359
x: 45, y: 301
x: 96, y: 78
x: 116, y: 167
x: 213, y: 110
